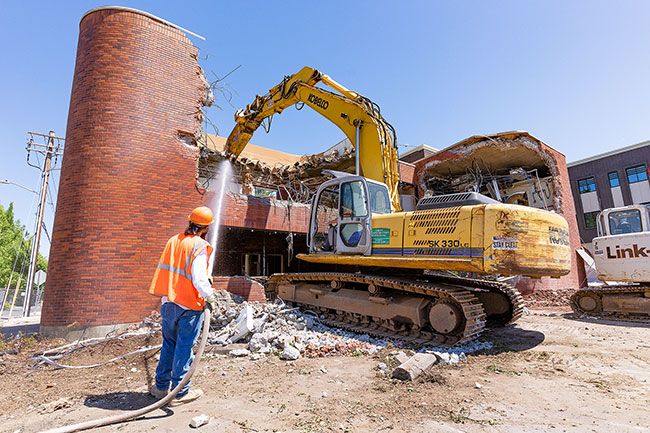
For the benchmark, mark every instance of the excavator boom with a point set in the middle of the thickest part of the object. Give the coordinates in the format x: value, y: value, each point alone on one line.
x: 357, y: 116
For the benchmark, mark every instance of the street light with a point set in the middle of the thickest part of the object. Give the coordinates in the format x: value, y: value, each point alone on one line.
x: 8, y: 182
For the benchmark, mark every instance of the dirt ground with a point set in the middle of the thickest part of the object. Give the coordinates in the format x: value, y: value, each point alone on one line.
x: 552, y: 372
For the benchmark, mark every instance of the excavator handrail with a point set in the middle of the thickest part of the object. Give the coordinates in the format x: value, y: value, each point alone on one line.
x: 358, y: 117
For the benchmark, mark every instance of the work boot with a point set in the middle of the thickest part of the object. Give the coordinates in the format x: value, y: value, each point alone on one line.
x: 191, y: 395
x: 157, y: 392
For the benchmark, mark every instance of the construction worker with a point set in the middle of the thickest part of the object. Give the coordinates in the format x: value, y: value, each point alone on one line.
x: 181, y: 279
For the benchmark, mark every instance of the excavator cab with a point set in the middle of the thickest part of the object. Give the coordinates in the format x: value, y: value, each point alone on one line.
x: 624, y: 220
x: 341, y: 214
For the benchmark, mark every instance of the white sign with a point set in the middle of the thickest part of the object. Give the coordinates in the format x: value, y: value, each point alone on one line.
x: 39, y: 277
x: 503, y: 243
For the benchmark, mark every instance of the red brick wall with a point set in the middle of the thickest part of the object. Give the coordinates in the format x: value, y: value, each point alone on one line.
x: 251, y: 290
x: 263, y: 213
x: 127, y: 183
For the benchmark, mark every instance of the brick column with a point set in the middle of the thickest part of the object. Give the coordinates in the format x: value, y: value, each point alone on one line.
x: 127, y: 181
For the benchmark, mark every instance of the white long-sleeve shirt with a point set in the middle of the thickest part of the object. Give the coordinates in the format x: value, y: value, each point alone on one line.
x: 199, y: 278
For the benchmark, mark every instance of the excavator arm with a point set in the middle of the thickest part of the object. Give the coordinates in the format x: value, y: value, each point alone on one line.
x: 357, y: 116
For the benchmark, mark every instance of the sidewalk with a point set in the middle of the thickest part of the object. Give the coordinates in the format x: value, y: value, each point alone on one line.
x: 25, y: 325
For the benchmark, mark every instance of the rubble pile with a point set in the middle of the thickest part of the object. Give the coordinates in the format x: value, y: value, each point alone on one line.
x: 274, y: 328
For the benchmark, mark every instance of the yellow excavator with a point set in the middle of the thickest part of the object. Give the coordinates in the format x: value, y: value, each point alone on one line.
x: 390, y: 273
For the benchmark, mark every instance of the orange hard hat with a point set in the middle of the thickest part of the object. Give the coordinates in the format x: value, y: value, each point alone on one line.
x: 202, y: 216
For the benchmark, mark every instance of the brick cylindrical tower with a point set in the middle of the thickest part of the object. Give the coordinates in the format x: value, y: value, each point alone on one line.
x: 128, y: 178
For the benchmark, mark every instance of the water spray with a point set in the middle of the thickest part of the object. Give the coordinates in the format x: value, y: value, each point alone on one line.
x: 224, y: 172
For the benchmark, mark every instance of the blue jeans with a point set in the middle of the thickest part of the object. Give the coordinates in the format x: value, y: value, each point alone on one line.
x: 180, y: 330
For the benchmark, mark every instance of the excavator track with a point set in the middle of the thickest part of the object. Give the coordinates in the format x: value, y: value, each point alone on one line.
x: 630, y: 303
x: 446, y: 294
x: 504, y: 307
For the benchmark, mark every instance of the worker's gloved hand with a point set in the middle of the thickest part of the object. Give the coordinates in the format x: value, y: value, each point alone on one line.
x: 211, y: 304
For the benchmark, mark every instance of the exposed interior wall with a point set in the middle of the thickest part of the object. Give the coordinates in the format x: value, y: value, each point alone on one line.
x: 519, y: 161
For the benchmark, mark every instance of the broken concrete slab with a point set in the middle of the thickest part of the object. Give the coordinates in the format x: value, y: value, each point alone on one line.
x: 244, y: 324
x: 199, y: 420
x: 415, y: 366
x: 290, y: 353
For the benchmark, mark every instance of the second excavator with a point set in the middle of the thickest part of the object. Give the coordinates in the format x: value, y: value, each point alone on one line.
x: 390, y: 273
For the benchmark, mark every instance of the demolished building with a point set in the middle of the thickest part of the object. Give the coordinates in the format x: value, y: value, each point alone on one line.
x: 128, y: 179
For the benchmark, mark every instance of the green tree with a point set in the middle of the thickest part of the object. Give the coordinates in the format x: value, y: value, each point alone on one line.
x: 15, y: 246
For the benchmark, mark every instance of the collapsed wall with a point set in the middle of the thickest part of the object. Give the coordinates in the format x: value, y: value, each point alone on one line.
x: 511, y: 167
x: 127, y: 179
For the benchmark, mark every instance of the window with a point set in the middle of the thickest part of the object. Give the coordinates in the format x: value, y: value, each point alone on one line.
x: 587, y: 185
x: 379, y: 200
x: 353, y: 200
x: 326, y: 219
x: 590, y: 219
x: 613, y: 179
x: 637, y: 174
x: 625, y: 221
x: 353, y: 205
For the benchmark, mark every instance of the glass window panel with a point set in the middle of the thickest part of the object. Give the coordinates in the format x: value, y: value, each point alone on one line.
x: 326, y: 219
x: 587, y: 185
x: 379, y: 199
x: 351, y: 234
x: 636, y: 174
x: 613, y: 179
x: 590, y: 219
x: 353, y: 203
x: 625, y: 221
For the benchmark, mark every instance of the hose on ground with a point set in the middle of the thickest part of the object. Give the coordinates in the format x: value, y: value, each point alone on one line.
x: 122, y: 417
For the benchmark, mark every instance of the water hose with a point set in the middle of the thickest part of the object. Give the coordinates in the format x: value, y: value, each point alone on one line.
x: 122, y: 417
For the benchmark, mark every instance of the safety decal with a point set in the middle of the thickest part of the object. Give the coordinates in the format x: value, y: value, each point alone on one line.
x: 380, y: 236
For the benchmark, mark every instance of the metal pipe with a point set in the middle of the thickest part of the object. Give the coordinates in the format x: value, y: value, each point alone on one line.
x: 358, y: 148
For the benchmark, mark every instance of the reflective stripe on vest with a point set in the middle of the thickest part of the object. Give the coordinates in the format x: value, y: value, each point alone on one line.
x: 174, y: 281
x: 178, y: 271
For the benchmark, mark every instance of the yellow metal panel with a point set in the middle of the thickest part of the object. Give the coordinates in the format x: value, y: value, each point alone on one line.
x: 521, y: 240
x: 387, y: 230
x: 439, y: 232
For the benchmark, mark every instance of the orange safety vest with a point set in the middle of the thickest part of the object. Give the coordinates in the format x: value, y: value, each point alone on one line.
x: 173, y: 276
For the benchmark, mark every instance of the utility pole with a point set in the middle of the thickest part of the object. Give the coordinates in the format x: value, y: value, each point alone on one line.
x: 50, y: 150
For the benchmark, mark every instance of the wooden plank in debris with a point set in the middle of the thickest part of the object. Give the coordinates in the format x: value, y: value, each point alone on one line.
x: 414, y: 366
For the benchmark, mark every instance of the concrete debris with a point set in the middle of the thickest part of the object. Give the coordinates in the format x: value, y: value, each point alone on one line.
x: 53, y: 406
x: 275, y: 329
x: 239, y: 352
x: 415, y: 366
x: 199, y: 421
x: 272, y: 328
x: 401, y: 357
x: 291, y: 177
x: 290, y: 353
x: 383, y: 368
x: 244, y: 324
x: 478, y: 385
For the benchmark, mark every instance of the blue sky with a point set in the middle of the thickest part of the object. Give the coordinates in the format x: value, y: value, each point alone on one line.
x: 575, y: 74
